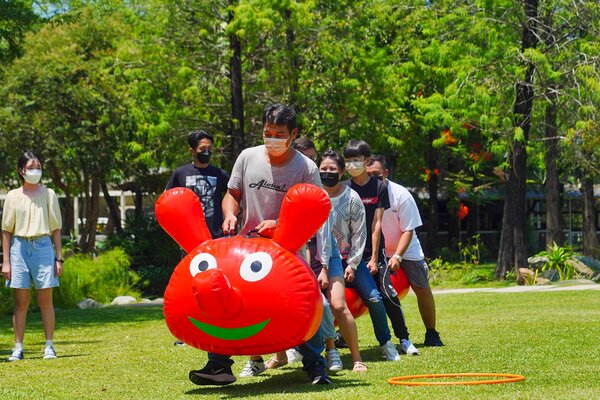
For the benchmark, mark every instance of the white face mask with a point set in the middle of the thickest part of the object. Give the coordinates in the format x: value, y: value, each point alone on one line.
x: 33, y: 176
x: 276, y: 147
x: 355, y: 168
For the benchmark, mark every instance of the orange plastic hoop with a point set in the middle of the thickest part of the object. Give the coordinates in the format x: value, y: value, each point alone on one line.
x: 405, y: 380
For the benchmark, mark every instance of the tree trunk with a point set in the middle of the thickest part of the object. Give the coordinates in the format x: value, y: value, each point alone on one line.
x: 554, y: 226
x: 87, y: 242
x: 113, y: 208
x: 506, y: 249
x: 69, y: 216
x: 590, y: 217
x: 237, y: 98
x: 513, y: 250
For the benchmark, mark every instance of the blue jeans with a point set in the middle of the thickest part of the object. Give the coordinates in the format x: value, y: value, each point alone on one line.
x: 311, y: 354
x: 365, y: 286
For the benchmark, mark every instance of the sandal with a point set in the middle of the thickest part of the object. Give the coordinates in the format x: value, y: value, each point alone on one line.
x: 359, y: 366
x: 275, y: 363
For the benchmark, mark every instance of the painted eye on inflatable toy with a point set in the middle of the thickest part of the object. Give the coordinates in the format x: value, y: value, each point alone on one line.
x: 202, y: 262
x: 256, y: 266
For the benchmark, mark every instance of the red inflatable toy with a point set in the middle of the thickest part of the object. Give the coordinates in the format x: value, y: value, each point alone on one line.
x: 357, y: 306
x: 243, y: 295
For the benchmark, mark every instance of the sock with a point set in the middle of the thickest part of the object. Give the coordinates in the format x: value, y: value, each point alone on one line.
x: 49, y: 343
x: 18, y: 346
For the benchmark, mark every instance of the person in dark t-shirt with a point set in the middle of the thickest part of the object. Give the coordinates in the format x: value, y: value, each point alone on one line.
x: 374, y: 196
x: 208, y: 182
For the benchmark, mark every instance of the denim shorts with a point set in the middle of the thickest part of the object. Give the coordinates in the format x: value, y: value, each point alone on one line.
x: 335, y: 260
x: 335, y: 268
x: 32, y: 259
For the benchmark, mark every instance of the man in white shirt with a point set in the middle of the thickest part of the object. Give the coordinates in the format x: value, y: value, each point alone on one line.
x: 403, y: 247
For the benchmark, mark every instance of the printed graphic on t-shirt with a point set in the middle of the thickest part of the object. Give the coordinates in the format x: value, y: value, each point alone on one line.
x: 370, y: 200
x: 268, y: 185
x: 204, y: 187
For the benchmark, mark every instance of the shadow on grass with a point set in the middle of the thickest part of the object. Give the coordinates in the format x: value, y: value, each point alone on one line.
x: 292, y: 382
x: 37, y: 356
x: 73, y: 318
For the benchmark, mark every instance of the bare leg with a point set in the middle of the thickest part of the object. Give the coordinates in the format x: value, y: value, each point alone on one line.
x: 426, y: 305
x: 21, y: 297
x: 339, y: 308
x: 44, y: 298
x: 329, y: 344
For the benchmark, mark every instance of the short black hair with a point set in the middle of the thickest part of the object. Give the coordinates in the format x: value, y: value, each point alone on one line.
x: 302, y: 144
x: 357, y: 148
x: 279, y: 114
x: 333, y: 155
x: 196, y: 136
x: 24, y: 159
x: 379, y: 158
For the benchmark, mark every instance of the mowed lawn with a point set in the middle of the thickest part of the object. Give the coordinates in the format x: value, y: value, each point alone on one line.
x: 552, y: 338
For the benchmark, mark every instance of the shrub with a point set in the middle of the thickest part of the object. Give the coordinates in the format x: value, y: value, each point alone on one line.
x: 557, y: 260
x: 154, y: 279
x: 102, y: 278
x: 470, y: 251
x: 477, y: 276
x: 152, y: 252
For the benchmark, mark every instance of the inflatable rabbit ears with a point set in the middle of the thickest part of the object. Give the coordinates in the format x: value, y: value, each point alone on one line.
x: 179, y: 212
x: 304, y: 209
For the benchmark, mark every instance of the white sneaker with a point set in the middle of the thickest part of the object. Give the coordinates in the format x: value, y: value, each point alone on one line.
x: 293, y: 356
x: 16, y: 355
x: 49, y: 353
x: 253, y: 368
x: 334, y: 362
x: 389, y: 351
x: 408, y: 348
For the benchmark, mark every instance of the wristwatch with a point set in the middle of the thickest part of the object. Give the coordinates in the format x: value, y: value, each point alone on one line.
x: 397, y: 257
x: 60, y: 260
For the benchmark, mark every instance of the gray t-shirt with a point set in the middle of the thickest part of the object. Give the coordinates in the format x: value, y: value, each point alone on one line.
x: 263, y: 186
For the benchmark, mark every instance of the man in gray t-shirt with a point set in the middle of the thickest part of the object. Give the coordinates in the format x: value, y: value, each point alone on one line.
x: 262, y: 184
x: 259, y: 181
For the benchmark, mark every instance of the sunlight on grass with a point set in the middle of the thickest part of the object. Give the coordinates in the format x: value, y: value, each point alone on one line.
x: 128, y: 353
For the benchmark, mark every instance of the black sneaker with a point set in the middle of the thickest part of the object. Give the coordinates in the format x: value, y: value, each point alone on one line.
x: 432, y: 338
x: 212, y: 374
x: 317, y: 375
x: 339, y: 341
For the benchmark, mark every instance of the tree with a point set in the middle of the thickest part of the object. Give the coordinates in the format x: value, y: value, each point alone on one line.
x: 65, y: 104
x: 512, y: 253
x: 16, y: 19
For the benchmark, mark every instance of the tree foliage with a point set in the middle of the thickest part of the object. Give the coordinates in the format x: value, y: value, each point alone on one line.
x: 107, y: 91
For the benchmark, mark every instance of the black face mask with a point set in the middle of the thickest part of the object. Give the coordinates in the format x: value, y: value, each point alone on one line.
x: 204, y: 156
x: 330, y: 179
x: 380, y: 177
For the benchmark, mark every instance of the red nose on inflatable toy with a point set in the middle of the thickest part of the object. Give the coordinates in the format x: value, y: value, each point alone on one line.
x: 357, y: 306
x: 240, y: 295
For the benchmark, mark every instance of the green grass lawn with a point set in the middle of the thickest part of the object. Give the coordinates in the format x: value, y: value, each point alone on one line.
x: 553, y: 339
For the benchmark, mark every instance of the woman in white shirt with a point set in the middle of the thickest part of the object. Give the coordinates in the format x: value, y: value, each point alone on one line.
x: 31, y: 221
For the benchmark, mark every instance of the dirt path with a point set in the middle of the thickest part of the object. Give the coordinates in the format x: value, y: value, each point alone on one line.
x: 577, y: 284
